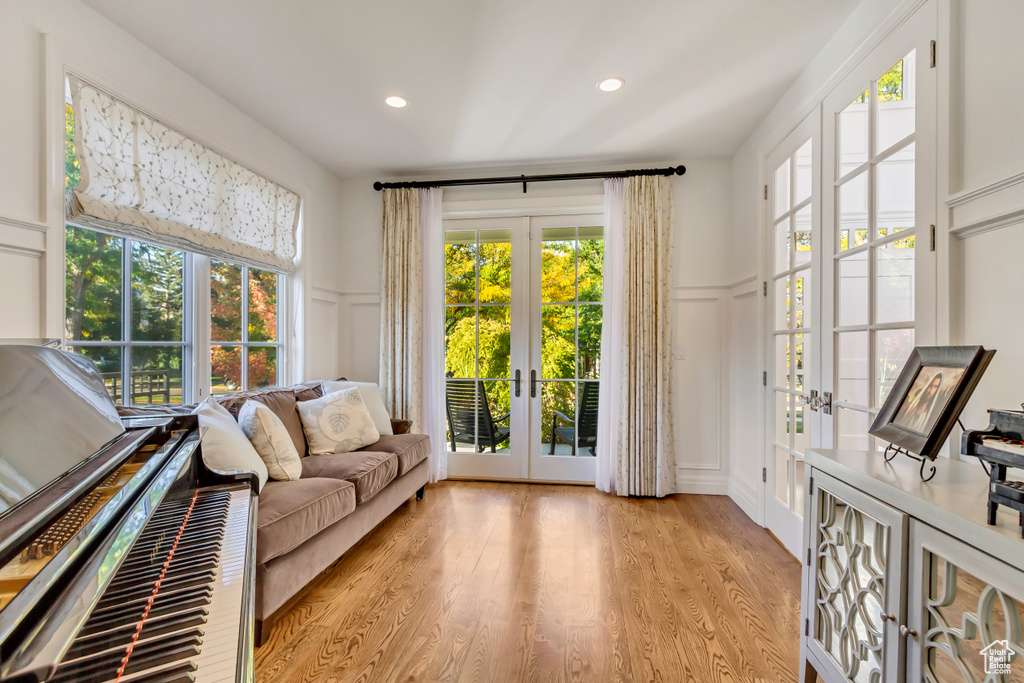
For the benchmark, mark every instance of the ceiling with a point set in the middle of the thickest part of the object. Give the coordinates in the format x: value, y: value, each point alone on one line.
x: 491, y: 82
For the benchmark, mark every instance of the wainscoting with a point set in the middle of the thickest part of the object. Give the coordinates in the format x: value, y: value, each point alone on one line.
x: 22, y: 279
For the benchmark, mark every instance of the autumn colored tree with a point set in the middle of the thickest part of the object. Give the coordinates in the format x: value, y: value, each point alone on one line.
x: 226, y: 325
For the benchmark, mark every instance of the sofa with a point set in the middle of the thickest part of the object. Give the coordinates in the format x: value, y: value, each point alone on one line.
x: 303, y: 526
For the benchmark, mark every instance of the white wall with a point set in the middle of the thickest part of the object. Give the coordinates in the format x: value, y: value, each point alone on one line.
x: 980, y: 195
x: 38, y: 38
x: 701, y: 294
x: 986, y: 202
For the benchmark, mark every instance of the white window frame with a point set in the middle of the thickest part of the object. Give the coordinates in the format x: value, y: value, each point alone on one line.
x: 245, y: 344
x: 126, y: 341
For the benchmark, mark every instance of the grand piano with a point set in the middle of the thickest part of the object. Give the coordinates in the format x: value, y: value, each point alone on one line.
x: 122, y: 556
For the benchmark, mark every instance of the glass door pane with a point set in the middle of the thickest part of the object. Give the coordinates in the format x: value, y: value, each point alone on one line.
x: 875, y: 248
x: 794, y: 261
x: 480, y: 347
x: 572, y: 264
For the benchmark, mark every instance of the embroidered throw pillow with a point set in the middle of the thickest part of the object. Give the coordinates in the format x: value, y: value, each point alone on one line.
x: 337, y: 423
x: 270, y: 438
x: 224, y: 444
x: 371, y: 396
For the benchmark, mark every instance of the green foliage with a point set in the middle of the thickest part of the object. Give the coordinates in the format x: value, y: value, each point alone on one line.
x: 72, y: 171
x: 890, y: 85
x: 566, y: 266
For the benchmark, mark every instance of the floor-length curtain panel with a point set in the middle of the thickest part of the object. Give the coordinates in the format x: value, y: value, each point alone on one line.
x: 607, y: 448
x: 401, y: 287
x: 432, y: 420
x: 646, y: 458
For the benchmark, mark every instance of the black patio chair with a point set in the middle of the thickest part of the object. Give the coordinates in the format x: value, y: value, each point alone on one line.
x: 587, y: 423
x: 468, y: 412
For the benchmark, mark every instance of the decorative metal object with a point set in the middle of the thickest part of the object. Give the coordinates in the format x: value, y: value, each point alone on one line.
x: 967, y: 616
x: 892, y: 450
x: 852, y: 556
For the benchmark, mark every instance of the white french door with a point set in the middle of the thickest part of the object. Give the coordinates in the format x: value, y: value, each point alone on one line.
x: 852, y: 287
x: 794, y: 334
x: 523, y: 319
x: 880, y: 209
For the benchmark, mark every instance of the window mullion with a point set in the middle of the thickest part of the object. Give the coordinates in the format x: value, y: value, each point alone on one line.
x: 188, y: 366
x: 126, y: 322
x: 245, y: 329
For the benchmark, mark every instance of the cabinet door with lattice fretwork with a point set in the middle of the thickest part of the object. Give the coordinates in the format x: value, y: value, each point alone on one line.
x: 853, y: 605
x: 965, y: 612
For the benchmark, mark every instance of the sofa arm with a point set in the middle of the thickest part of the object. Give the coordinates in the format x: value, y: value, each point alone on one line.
x: 400, y: 426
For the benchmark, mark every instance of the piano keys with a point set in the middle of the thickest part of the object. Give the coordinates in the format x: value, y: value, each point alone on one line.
x: 137, y: 562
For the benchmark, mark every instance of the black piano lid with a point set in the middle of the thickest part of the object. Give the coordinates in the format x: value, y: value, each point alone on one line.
x: 58, y: 432
x: 54, y: 414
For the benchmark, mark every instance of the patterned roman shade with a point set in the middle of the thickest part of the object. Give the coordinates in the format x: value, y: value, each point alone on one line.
x: 146, y: 180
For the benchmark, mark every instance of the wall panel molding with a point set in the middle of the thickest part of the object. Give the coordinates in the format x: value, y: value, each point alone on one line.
x: 700, y: 377
x: 698, y: 483
x: 991, y: 207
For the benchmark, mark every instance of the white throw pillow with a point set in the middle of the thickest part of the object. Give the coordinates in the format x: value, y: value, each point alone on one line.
x: 268, y: 436
x: 224, y: 445
x: 371, y: 396
x: 337, y: 423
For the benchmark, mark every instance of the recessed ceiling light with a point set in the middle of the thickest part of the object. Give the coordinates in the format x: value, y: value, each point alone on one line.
x: 396, y: 102
x: 611, y: 84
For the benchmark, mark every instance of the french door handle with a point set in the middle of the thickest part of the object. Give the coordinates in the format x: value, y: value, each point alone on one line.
x: 533, y: 384
x: 518, y: 381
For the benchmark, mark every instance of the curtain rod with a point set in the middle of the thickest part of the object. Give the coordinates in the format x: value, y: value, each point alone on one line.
x: 524, y: 179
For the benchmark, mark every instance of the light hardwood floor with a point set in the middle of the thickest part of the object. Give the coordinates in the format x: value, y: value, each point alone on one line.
x: 527, y: 582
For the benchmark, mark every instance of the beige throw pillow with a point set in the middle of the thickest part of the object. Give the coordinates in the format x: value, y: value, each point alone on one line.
x: 224, y: 446
x: 270, y: 438
x: 337, y: 423
x: 371, y: 397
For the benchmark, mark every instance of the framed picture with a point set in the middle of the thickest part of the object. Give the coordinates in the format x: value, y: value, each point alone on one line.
x: 929, y: 395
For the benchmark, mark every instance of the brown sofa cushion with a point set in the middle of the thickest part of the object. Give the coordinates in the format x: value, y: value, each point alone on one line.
x: 281, y: 402
x: 308, y: 391
x: 400, y: 426
x: 292, y: 512
x: 411, y: 449
x: 370, y: 471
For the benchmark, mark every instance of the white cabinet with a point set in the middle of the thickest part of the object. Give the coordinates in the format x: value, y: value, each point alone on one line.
x: 903, y: 580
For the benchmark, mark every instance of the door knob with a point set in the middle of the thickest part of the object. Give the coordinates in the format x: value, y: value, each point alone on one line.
x: 904, y: 631
x: 887, y: 617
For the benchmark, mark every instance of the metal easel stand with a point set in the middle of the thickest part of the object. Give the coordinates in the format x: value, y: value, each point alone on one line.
x: 892, y: 450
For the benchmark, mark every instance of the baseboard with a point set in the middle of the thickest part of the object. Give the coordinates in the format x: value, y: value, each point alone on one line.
x: 744, y: 496
x: 712, y: 483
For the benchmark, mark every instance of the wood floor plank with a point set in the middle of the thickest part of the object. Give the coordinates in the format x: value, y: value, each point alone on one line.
x: 524, y: 582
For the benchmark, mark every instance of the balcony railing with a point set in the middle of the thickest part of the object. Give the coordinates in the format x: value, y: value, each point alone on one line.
x: 146, y: 385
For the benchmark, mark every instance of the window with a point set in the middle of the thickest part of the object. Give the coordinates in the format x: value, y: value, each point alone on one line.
x: 130, y: 307
x: 244, y: 351
x: 126, y: 311
x: 875, y: 246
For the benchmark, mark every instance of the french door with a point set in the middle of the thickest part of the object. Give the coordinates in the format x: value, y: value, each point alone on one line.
x: 523, y: 312
x: 850, y: 213
x: 794, y: 334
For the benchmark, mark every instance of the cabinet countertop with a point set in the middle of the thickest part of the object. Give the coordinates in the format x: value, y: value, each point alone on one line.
x: 954, y: 501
